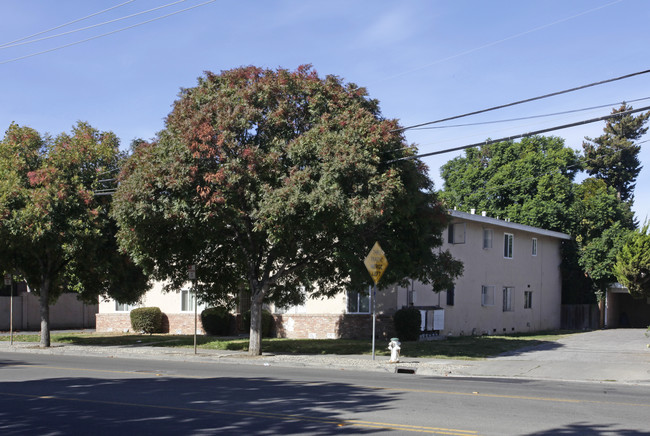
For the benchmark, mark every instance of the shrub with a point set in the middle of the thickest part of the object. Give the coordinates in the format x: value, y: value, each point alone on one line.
x: 216, y: 321
x: 146, y: 320
x: 267, y: 322
x: 407, y: 324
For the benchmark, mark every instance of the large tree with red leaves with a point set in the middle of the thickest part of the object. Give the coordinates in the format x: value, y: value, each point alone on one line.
x: 56, y: 234
x: 269, y: 180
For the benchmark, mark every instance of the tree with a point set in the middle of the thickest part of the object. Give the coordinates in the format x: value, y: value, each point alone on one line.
x: 56, y: 233
x: 267, y: 180
x: 632, y: 268
x: 613, y: 156
x: 529, y: 181
x: 601, y: 224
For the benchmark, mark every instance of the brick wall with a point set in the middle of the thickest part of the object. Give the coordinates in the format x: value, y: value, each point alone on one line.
x: 331, y: 326
x: 113, y: 322
x: 175, y: 323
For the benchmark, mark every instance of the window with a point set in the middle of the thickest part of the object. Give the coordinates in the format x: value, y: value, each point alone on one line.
x: 358, y: 302
x: 508, y: 295
x: 187, y: 300
x: 487, y: 238
x: 528, y: 299
x: 487, y: 295
x: 457, y: 233
x: 508, y: 239
x: 123, y: 307
x: 534, y: 252
x: 450, y: 296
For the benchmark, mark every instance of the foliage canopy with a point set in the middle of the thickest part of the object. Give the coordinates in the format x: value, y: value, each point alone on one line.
x: 56, y: 234
x: 269, y: 180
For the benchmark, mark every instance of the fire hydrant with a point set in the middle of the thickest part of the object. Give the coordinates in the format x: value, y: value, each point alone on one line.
x: 394, y: 347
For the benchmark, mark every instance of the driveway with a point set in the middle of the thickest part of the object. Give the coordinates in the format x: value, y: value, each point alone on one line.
x: 617, y: 355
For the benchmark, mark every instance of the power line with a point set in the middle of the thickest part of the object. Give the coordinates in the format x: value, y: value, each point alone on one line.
x: 528, y: 100
x: 522, y: 135
x: 92, y: 26
x: 106, y: 34
x: 532, y: 116
x: 493, y: 43
x: 64, y: 25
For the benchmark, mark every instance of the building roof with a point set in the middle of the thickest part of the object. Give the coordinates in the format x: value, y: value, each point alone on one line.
x: 507, y: 224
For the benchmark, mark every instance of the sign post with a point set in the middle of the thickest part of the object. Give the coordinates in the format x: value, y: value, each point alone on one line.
x: 376, y: 264
x: 191, y: 274
x: 8, y: 282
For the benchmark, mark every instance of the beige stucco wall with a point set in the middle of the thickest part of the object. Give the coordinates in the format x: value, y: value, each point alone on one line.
x: 67, y: 313
x: 525, y: 272
x: 168, y: 302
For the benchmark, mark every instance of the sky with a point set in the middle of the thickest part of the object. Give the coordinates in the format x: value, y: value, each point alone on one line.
x: 120, y: 65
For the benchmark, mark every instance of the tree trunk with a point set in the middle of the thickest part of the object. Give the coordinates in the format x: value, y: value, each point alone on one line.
x: 45, y: 313
x: 255, y: 341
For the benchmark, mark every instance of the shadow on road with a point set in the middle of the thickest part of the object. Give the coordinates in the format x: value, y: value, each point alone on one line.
x: 585, y: 429
x: 185, y: 406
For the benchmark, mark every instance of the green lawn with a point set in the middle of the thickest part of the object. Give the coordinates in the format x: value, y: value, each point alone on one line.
x: 464, y: 347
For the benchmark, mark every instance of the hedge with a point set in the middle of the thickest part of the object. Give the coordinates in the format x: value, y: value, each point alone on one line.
x: 146, y: 320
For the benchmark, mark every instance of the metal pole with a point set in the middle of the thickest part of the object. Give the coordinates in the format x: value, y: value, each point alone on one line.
x: 374, y: 317
x: 11, y: 313
x: 195, y: 315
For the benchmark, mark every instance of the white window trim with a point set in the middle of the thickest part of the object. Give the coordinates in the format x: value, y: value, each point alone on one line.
x: 488, y: 243
x: 508, y: 299
x: 510, y: 245
x: 487, y: 295
x: 126, y: 307
x: 534, y: 247
x: 359, y: 296
x: 190, y: 300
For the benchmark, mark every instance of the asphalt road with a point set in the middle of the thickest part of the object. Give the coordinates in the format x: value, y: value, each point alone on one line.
x: 57, y: 394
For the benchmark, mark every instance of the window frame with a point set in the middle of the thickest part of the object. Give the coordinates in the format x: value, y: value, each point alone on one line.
x: 359, y: 298
x: 487, y: 295
x: 124, y: 307
x: 508, y: 245
x: 528, y: 299
x: 508, y: 298
x: 454, y: 231
x: 189, y: 300
x: 451, y: 296
x: 534, y: 247
x: 488, y: 243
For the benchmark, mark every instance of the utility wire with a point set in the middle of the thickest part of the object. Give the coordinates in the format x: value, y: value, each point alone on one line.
x: 493, y: 43
x: 522, y: 135
x: 92, y: 26
x: 532, y: 116
x: 64, y: 25
x: 106, y: 34
x: 553, y: 94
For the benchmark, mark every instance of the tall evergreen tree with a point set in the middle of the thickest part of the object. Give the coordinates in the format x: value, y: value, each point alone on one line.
x: 613, y: 156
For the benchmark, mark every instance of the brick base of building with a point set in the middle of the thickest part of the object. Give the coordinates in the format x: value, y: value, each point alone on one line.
x: 176, y: 323
x: 331, y: 326
x: 292, y: 326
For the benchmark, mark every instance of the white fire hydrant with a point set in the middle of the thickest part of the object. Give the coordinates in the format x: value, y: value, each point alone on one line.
x: 394, y: 347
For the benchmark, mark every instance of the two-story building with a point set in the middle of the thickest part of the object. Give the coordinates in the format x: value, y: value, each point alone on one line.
x: 511, y: 283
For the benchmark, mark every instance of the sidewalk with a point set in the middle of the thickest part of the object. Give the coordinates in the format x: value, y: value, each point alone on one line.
x: 612, y: 356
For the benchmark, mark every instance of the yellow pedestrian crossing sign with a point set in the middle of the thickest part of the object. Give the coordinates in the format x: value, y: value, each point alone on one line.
x: 376, y: 262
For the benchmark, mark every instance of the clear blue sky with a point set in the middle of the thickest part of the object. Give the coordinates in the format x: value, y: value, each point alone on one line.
x: 422, y: 60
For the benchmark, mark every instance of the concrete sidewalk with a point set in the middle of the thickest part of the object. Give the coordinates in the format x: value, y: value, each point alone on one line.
x: 612, y: 356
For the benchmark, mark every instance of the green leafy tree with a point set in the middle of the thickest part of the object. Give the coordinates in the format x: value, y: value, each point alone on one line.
x: 529, y: 181
x: 56, y: 234
x: 632, y: 268
x: 613, y: 156
x: 267, y: 180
